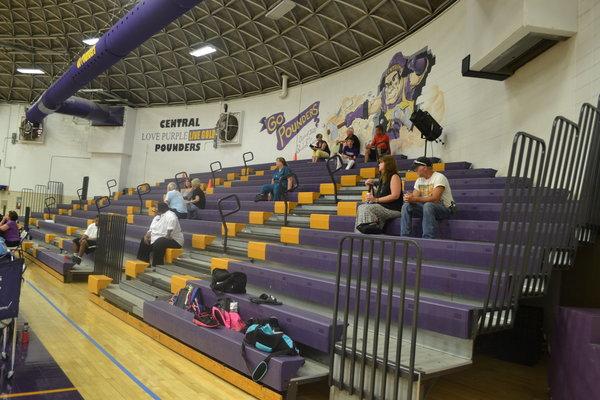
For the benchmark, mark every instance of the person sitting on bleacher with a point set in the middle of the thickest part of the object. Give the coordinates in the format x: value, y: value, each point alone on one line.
x: 431, y: 199
x: 197, y: 200
x: 349, y: 154
x: 187, y: 189
x: 164, y: 233
x: 379, y: 146
x: 320, y: 149
x: 385, y: 203
x: 279, y: 183
x: 87, y: 240
x: 176, y: 201
x: 349, y: 135
x: 9, y: 229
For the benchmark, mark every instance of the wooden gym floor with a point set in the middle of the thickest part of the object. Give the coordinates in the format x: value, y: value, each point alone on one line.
x: 106, y: 359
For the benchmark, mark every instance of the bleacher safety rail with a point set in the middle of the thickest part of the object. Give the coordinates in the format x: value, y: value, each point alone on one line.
x: 224, y: 215
x: 110, y: 247
x: 26, y: 218
x: 338, y: 159
x: 110, y: 185
x: 56, y: 190
x: 40, y: 193
x: 247, y: 157
x: 80, y: 195
x: 180, y: 179
x: 213, y: 171
x: 371, y: 298
x: 27, y: 198
x: 49, y: 205
x: 143, y: 190
x: 101, y: 203
x: 517, y: 230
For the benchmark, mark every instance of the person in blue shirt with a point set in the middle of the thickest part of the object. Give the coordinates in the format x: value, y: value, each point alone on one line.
x: 176, y: 201
x: 278, y: 184
x: 349, y: 154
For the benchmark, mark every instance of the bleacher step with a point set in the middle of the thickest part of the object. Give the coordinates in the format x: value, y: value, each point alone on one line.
x: 156, y: 279
x: 124, y: 300
x: 143, y: 290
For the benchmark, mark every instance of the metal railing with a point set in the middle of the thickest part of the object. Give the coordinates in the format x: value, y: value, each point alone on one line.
x: 80, y: 195
x: 247, y: 157
x: 213, y: 171
x: 27, y: 198
x: 26, y: 218
x: 142, y: 190
x: 181, y: 177
x: 225, y: 214
x: 372, y: 300
x: 56, y: 190
x: 102, y: 203
x: 49, y: 204
x: 338, y: 159
x: 110, y: 247
x: 110, y: 184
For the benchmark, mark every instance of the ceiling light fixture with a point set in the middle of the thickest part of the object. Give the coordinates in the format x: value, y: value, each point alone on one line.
x: 31, y: 71
x: 203, y: 51
x: 282, y: 8
x: 91, y: 41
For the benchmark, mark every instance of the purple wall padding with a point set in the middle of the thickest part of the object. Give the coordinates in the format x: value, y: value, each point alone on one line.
x: 575, y: 360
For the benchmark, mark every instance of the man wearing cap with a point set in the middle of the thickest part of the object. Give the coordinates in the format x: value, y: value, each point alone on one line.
x: 431, y: 199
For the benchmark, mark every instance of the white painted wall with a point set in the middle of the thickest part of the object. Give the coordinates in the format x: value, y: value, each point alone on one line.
x: 480, y: 117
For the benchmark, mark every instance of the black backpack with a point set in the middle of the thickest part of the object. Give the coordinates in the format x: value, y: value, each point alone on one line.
x: 226, y: 282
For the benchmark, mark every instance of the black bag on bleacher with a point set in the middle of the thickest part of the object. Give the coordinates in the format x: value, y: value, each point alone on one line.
x: 226, y: 282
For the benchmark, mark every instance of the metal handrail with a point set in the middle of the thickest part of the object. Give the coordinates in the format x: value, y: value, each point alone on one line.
x: 247, y: 160
x: 332, y: 172
x: 47, y: 204
x: 143, y: 190
x: 100, y: 206
x: 296, y: 184
x: 214, y: 171
x: 181, y: 176
x: 111, y: 183
x: 227, y: 214
x: 80, y: 194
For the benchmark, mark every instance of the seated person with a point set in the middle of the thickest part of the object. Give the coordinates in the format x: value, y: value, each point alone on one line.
x: 431, y: 198
x: 379, y: 146
x: 164, y: 233
x: 9, y: 229
x: 385, y: 203
x: 175, y: 201
x: 349, y: 154
x: 279, y: 183
x: 320, y: 149
x: 187, y: 189
x: 349, y: 135
x: 87, y: 240
x: 197, y: 200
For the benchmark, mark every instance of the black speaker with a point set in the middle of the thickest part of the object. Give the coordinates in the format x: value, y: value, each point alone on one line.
x: 429, y: 127
x: 84, y: 187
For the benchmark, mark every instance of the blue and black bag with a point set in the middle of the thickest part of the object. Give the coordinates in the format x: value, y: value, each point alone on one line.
x: 268, y: 337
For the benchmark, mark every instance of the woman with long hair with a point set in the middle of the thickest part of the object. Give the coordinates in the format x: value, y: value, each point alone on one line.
x: 279, y: 183
x: 384, y: 200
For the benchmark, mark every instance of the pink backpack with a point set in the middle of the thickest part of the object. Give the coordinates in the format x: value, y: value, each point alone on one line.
x: 225, y: 312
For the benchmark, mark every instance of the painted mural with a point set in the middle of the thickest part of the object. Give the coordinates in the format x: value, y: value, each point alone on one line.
x: 396, y: 96
x: 287, y: 130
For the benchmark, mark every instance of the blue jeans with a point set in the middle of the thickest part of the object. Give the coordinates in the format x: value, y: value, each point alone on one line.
x: 431, y: 213
x: 274, y: 189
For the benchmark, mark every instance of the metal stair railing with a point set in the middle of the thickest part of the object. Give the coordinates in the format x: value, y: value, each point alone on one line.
x: 226, y: 214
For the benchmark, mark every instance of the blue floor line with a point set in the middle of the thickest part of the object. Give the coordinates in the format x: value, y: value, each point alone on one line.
x: 96, y: 344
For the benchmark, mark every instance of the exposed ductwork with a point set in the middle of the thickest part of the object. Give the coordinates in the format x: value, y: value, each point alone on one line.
x: 284, y: 86
x: 145, y: 19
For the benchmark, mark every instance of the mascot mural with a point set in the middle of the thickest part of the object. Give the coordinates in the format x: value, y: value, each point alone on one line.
x: 400, y: 86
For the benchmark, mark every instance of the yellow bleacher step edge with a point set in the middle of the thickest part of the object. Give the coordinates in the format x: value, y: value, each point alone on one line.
x: 172, y: 254
x: 26, y: 245
x: 63, y: 211
x: 368, y: 173
x: 135, y: 267
x: 257, y: 250
x: 289, y: 235
x: 133, y: 209
x: 259, y: 173
x: 363, y: 196
x: 178, y: 282
x: 220, y: 263
x: 60, y: 242
x: 279, y: 206
x: 76, y: 207
x: 200, y: 241
x: 227, y: 184
x: 346, y: 208
x: 232, y: 176
x: 98, y: 282
x: 49, y: 237
x: 258, y: 217
x: 233, y: 228
x: 130, y: 218
x: 245, y: 171
x: 349, y: 180
x: 244, y: 178
x: 210, y: 191
x: 327, y: 188
x: 273, y: 167
x: 307, y: 197
x: 319, y: 221
x: 218, y: 181
x: 150, y: 203
x: 71, y: 230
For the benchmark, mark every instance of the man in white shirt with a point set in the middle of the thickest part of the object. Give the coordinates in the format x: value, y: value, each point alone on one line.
x: 164, y: 233
x: 431, y: 199
x: 85, y: 242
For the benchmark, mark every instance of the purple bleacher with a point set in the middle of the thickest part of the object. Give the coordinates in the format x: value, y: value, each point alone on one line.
x: 436, y: 315
x: 575, y: 357
x: 306, y: 327
x: 71, y: 221
x: 53, y: 227
x: 221, y: 344
x: 58, y: 262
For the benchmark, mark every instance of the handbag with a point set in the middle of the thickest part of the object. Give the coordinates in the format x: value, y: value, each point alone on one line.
x: 226, y: 282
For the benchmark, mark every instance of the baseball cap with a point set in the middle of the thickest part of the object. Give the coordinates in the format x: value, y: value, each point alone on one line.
x: 421, y: 161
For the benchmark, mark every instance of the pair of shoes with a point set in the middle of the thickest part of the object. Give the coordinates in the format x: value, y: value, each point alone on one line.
x: 76, y: 259
x: 265, y: 299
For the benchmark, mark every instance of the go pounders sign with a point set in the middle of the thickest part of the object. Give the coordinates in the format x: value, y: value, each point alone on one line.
x: 286, y: 131
x: 178, y: 140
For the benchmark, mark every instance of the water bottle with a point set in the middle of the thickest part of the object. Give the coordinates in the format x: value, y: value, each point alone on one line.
x: 25, y: 334
x: 233, y: 306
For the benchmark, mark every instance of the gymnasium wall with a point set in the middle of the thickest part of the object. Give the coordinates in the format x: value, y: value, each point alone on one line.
x: 479, y: 116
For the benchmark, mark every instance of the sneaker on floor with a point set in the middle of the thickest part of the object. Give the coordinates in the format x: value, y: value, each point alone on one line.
x: 76, y: 259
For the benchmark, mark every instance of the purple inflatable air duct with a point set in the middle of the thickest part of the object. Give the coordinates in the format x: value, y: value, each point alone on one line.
x: 138, y: 25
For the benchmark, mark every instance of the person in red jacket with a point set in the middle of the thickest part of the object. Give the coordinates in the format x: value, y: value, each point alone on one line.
x: 379, y: 146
